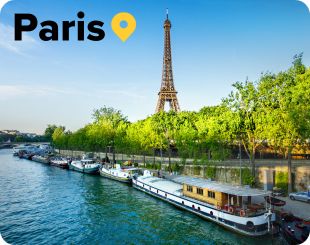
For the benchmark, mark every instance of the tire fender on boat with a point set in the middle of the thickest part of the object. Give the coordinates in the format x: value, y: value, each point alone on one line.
x: 250, y: 225
x: 242, y: 213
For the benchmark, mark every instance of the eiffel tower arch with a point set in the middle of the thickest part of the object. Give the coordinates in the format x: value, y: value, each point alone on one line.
x: 167, y: 91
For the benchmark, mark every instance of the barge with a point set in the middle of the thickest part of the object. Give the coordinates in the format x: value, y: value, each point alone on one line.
x: 241, y: 209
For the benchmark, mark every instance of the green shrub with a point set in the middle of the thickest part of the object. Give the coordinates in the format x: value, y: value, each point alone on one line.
x: 183, y: 161
x: 281, y: 180
x: 154, y: 166
x: 247, y: 177
x: 204, y: 160
x: 197, y: 170
x: 175, y: 167
x: 211, y: 172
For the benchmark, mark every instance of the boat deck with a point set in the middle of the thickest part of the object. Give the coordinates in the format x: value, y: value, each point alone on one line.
x: 163, y: 184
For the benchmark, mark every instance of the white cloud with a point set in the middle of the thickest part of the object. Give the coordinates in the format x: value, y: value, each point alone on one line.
x: 2, y: 3
x: 9, y: 91
x: 13, y: 91
x: 19, y: 47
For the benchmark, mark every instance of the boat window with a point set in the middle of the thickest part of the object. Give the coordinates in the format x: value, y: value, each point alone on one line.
x: 189, y: 188
x: 157, y: 191
x: 211, y: 194
x: 183, y: 202
x: 193, y: 206
x: 200, y: 191
x: 166, y: 195
x: 198, y: 208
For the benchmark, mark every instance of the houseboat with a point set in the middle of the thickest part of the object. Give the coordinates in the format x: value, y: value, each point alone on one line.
x: 88, y: 166
x: 124, y: 174
x: 241, y: 209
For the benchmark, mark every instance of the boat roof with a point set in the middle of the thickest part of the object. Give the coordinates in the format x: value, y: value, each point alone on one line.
x: 87, y: 160
x: 162, y: 184
x: 129, y: 169
x: 220, y: 187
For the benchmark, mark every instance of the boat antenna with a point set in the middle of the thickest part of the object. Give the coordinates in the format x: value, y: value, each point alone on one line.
x: 167, y: 13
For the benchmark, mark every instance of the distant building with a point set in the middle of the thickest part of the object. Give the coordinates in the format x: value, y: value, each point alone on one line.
x: 10, y: 132
x: 31, y: 135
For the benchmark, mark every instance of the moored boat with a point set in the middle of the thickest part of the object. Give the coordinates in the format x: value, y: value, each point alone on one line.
x: 60, y: 162
x: 41, y: 159
x: 27, y: 151
x: 293, y: 229
x: 240, y: 209
x: 120, y: 174
x: 85, y: 166
x: 275, y: 201
x: 17, y: 149
x: 24, y: 154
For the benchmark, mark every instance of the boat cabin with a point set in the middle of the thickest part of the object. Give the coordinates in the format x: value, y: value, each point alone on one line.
x: 132, y: 171
x: 237, y: 200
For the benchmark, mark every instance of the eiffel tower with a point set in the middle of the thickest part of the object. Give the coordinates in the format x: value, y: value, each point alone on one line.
x: 167, y: 91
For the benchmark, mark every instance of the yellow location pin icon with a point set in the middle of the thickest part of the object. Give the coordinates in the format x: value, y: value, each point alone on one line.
x: 123, y: 32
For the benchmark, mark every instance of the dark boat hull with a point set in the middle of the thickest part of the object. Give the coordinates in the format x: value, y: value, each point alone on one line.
x: 63, y: 166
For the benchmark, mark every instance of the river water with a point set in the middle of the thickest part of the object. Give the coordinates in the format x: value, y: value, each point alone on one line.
x: 40, y: 204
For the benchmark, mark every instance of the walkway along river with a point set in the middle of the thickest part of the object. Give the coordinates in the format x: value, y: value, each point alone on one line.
x: 40, y: 204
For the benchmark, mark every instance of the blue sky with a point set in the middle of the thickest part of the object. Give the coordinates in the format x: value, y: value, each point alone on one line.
x: 214, y: 44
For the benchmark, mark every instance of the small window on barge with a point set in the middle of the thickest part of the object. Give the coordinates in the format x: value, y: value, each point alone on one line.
x: 189, y: 188
x: 200, y: 191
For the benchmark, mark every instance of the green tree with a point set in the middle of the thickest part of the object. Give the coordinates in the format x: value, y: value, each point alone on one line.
x: 49, y: 131
x: 107, y: 129
x: 109, y: 114
x: 285, y: 100
x: 248, y: 115
x: 58, y: 137
x: 216, y: 127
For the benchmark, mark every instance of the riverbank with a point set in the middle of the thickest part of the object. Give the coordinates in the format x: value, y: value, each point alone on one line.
x: 165, y: 160
x: 223, y: 171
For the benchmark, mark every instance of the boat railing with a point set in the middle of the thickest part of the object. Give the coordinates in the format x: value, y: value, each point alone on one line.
x: 246, y: 210
x: 249, y: 210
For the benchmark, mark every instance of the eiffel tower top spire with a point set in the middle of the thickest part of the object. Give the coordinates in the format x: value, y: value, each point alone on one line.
x: 167, y: 91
